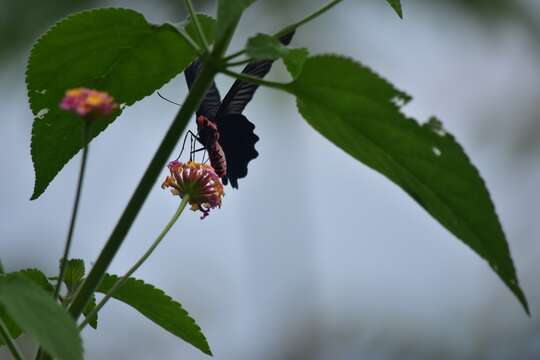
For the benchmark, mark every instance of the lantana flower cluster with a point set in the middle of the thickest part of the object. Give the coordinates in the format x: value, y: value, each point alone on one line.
x: 88, y: 103
x: 199, y: 181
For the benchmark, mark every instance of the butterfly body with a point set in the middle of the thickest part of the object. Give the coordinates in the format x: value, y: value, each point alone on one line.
x: 227, y: 135
x: 209, y: 137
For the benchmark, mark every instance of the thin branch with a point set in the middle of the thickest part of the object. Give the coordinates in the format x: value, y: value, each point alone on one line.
x: 234, y: 55
x: 11, y: 344
x: 198, y: 27
x: 190, y: 41
x: 291, y: 27
x: 307, y: 19
x: 237, y: 63
x: 254, y: 80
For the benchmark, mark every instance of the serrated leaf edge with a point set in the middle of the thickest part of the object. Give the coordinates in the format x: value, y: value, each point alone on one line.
x: 35, y: 193
x: 514, y: 287
x: 115, y: 278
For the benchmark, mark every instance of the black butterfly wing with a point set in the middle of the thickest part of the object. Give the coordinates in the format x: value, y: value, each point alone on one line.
x: 236, y: 132
x: 212, y: 101
x: 241, y: 92
x: 237, y: 138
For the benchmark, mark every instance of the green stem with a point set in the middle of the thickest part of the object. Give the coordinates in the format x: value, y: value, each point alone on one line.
x: 307, y: 19
x: 291, y: 27
x: 254, y: 79
x: 198, y: 29
x: 12, y: 346
x: 190, y: 41
x: 194, y: 98
x: 135, y: 266
x: 86, y: 131
x: 237, y: 63
x: 234, y: 55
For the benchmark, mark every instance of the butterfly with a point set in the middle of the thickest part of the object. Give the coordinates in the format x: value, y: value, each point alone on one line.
x: 222, y: 130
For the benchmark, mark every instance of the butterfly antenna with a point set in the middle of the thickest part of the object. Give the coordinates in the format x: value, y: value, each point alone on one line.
x: 168, y: 100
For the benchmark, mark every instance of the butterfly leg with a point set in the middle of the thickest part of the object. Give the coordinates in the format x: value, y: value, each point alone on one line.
x: 199, y: 150
x: 203, y: 157
x: 204, y: 148
x: 191, y: 148
x: 191, y: 135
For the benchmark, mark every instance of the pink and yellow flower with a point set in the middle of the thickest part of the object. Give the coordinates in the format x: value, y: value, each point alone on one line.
x: 199, y: 181
x: 88, y: 103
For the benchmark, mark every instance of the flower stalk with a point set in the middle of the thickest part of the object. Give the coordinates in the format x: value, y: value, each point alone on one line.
x: 138, y: 264
x: 63, y: 261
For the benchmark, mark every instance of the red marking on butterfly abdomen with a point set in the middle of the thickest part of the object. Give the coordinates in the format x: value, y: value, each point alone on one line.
x: 217, y: 159
x: 210, y: 133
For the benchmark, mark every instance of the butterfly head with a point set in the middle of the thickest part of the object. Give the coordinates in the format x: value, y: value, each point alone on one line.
x: 208, y: 130
x: 204, y: 123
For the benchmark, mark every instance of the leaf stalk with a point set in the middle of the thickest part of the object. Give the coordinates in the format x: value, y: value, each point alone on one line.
x: 307, y: 19
x: 290, y: 27
x: 198, y: 28
x: 254, y: 80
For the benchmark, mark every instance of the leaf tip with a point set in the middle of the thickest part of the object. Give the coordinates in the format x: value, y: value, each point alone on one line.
x: 35, y: 195
x: 516, y: 289
x: 38, y: 189
x: 396, y: 5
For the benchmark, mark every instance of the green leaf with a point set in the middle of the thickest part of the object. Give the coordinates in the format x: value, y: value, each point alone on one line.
x: 208, y: 25
x: 359, y: 112
x: 112, y: 50
x: 158, y: 307
x: 294, y: 61
x: 1, y: 268
x: 35, y: 311
x: 265, y: 47
x: 396, y: 5
x: 73, y: 274
x: 38, y: 278
x: 228, y: 12
x: 93, y: 322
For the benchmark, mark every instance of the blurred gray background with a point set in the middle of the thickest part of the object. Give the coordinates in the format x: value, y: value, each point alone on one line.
x: 316, y: 256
